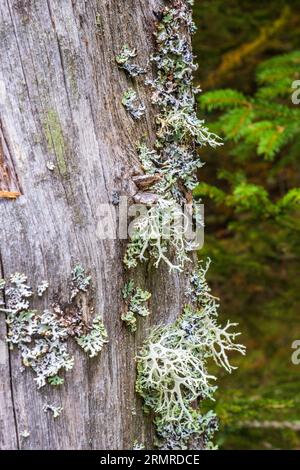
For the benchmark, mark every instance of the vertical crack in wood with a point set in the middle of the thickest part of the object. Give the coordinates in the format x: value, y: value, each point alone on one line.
x: 10, y: 366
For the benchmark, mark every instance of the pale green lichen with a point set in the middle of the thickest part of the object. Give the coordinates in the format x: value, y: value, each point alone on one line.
x: 80, y: 282
x: 55, y: 380
x: 172, y: 368
x: 135, y: 299
x: 138, y: 445
x: 123, y: 60
x: 55, y: 139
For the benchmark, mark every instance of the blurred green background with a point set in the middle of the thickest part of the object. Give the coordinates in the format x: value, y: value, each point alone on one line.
x: 249, y: 55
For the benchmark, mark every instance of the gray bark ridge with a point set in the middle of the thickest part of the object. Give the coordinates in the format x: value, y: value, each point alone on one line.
x: 61, y: 107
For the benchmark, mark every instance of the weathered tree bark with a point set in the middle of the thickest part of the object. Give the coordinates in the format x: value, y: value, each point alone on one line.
x: 62, y: 104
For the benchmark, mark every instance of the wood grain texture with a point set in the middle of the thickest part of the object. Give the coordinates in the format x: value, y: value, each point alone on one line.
x: 62, y: 106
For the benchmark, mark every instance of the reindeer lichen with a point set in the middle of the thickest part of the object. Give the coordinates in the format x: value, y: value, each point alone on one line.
x: 172, y: 368
x: 124, y: 61
x: 135, y: 299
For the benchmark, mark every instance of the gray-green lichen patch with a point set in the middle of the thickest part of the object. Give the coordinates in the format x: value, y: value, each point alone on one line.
x: 136, y: 304
x: 180, y: 134
x: 124, y: 62
x: 173, y: 364
x: 55, y: 139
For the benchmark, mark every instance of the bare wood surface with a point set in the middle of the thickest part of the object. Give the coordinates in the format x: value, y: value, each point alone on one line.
x: 62, y: 107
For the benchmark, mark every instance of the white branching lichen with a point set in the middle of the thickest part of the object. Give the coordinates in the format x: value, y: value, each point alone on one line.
x: 136, y: 304
x: 131, y: 103
x: 172, y: 367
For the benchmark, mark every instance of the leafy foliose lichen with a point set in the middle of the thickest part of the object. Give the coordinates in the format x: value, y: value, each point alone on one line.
x: 132, y: 104
x: 80, y: 282
x: 180, y: 134
x: 136, y: 304
x: 41, y: 337
x: 172, y: 368
x: 124, y: 61
x: 154, y: 232
x: 55, y: 409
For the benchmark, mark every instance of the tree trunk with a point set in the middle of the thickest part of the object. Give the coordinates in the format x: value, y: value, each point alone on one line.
x: 60, y: 103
